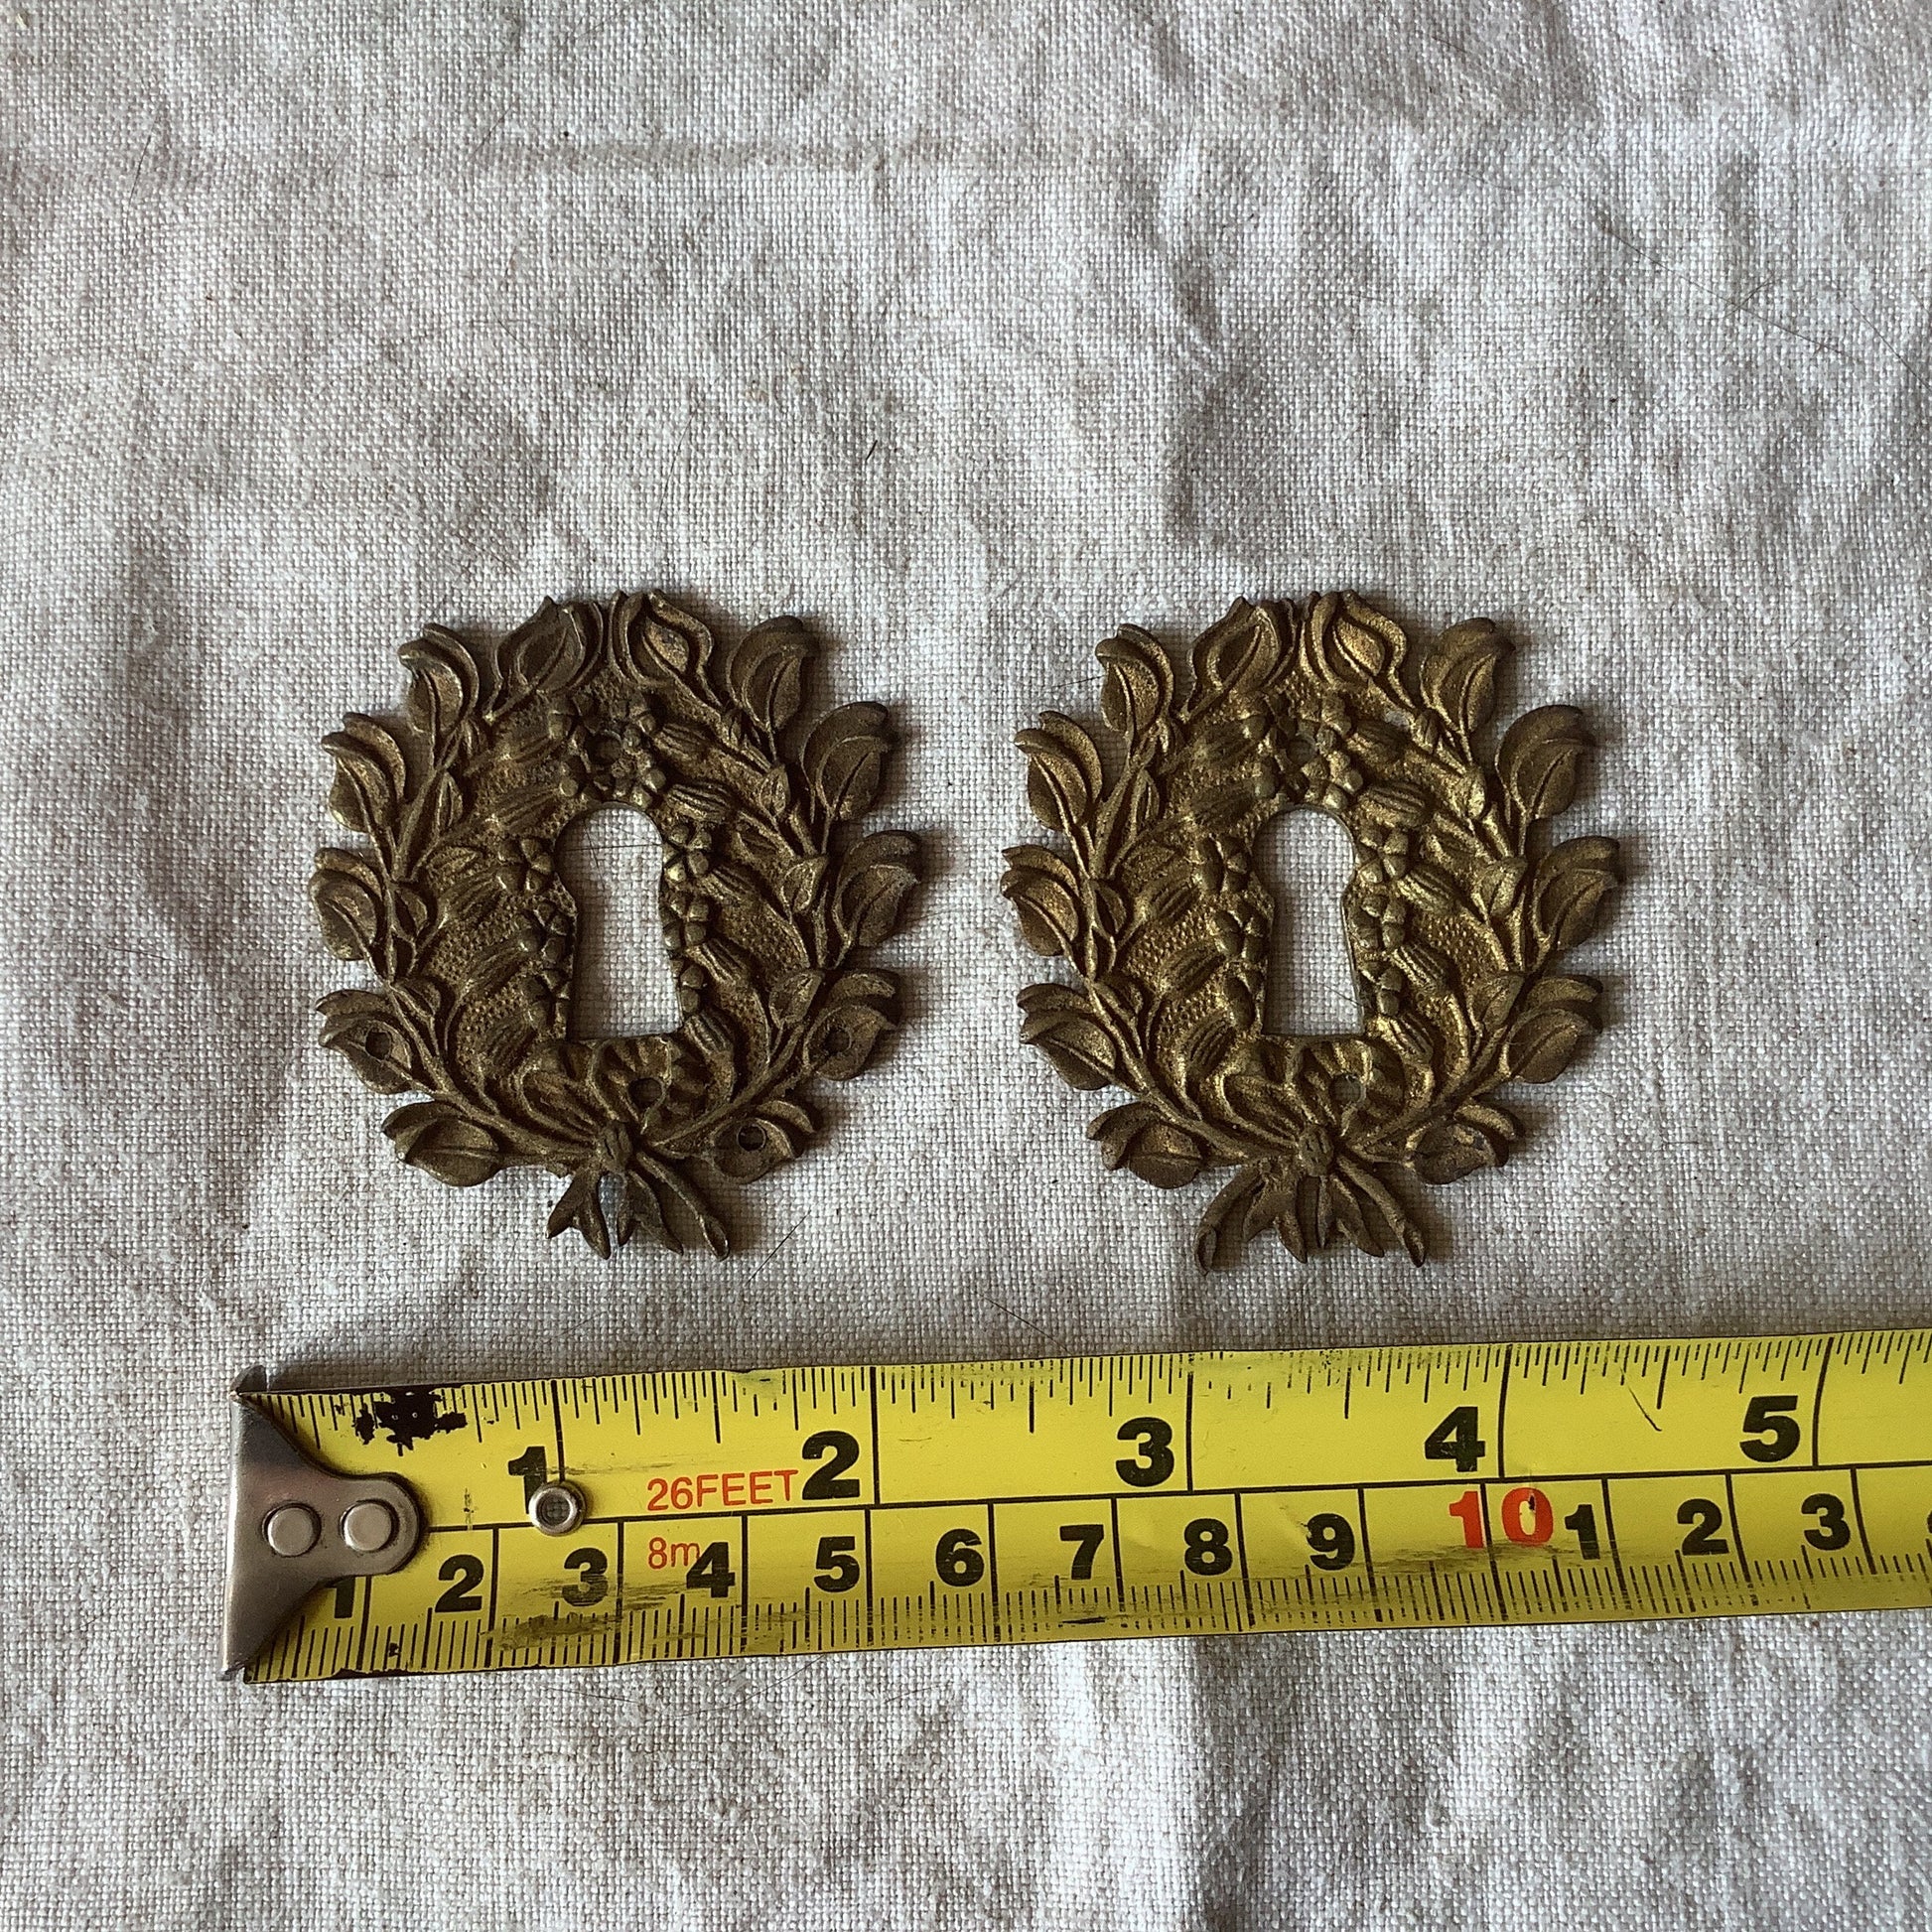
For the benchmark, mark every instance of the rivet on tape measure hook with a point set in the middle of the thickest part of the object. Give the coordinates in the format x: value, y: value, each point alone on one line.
x: 294, y: 1526
x: 634, y: 1518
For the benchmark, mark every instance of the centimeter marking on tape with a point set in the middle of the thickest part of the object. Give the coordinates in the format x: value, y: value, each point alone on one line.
x: 845, y: 1509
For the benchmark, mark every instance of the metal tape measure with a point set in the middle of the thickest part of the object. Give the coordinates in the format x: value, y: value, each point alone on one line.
x: 636, y: 1518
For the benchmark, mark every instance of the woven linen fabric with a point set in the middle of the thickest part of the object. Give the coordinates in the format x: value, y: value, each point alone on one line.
x: 964, y: 333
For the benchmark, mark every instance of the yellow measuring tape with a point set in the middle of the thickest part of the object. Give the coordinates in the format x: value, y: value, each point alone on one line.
x: 631, y: 1518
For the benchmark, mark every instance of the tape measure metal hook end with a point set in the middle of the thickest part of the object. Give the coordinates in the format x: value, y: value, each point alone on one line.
x: 294, y: 1527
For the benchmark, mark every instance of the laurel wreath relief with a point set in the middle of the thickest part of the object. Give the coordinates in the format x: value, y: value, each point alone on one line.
x: 457, y: 906
x: 1455, y: 915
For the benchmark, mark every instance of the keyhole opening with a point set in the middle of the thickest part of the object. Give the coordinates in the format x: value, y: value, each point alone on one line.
x: 621, y: 983
x: 1306, y: 860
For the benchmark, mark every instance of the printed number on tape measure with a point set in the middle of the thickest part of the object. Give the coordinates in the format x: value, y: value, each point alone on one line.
x: 632, y: 1518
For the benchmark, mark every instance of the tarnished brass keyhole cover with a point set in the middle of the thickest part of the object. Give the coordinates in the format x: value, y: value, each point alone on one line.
x: 767, y: 903
x: 1455, y: 914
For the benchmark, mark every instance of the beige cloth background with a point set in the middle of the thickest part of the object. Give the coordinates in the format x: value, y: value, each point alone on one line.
x: 964, y: 333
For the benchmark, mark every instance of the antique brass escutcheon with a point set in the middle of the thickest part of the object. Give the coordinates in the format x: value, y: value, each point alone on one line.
x: 768, y: 901
x: 1455, y: 915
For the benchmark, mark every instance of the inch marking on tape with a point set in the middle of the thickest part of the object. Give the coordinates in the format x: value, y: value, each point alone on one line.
x: 636, y: 1518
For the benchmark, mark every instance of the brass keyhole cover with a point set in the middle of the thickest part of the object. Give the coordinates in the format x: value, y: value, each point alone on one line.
x: 767, y: 903
x: 1455, y: 915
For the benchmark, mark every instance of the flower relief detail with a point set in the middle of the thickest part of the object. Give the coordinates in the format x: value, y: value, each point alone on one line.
x: 1457, y: 913
x: 769, y: 900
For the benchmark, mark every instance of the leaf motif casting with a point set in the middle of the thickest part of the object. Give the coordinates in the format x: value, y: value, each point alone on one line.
x: 457, y: 906
x: 1455, y: 914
